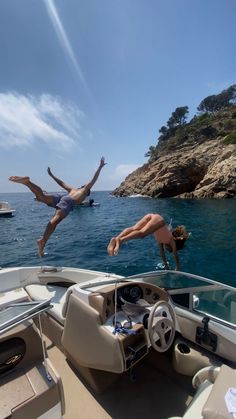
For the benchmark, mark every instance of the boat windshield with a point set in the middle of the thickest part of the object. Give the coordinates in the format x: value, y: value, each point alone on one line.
x: 171, y: 280
x: 196, y: 293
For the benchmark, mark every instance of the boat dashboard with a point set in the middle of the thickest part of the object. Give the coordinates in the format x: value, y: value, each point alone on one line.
x: 133, y: 297
x: 118, y: 322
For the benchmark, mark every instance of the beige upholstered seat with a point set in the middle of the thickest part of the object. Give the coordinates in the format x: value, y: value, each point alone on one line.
x: 57, y: 295
x: 209, y: 400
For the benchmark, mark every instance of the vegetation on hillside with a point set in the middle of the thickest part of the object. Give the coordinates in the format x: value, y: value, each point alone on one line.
x: 216, y: 118
x: 230, y: 139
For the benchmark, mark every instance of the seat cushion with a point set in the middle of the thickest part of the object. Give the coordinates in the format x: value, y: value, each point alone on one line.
x: 57, y: 295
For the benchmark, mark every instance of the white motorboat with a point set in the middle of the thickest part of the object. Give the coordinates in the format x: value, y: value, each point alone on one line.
x: 89, y: 204
x: 5, y: 209
x: 77, y: 343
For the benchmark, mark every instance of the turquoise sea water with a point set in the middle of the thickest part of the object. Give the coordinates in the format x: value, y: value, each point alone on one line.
x: 81, y: 239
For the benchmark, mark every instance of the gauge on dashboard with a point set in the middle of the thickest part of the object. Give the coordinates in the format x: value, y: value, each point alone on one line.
x: 156, y: 296
x: 135, y: 293
x: 130, y: 293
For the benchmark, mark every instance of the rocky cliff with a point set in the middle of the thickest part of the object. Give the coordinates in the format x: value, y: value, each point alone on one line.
x: 199, y: 161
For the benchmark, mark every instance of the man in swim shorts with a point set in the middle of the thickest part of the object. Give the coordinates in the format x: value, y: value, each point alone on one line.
x: 153, y: 224
x: 63, y: 204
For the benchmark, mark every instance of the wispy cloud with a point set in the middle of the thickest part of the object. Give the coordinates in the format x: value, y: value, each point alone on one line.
x: 63, y: 39
x: 27, y: 119
x: 123, y: 170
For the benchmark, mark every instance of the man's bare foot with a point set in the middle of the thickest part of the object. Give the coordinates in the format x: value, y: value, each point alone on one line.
x: 19, y: 179
x: 41, y: 244
x: 117, y: 247
x: 111, y: 246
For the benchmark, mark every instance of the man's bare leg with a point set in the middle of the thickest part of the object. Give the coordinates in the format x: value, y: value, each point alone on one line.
x: 19, y: 179
x: 37, y: 191
x: 40, y: 244
x: 51, y: 226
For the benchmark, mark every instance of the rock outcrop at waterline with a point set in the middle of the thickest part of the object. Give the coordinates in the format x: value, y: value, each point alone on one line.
x: 202, y: 168
x: 208, y: 170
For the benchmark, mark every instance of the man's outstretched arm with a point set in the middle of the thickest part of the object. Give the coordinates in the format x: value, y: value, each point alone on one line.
x: 96, y: 174
x: 59, y: 181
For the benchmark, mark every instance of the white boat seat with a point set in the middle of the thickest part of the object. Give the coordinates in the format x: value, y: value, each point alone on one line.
x: 209, y: 400
x: 57, y: 294
x: 215, y: 405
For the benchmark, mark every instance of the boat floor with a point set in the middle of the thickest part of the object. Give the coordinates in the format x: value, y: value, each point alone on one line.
x: 157, y: 391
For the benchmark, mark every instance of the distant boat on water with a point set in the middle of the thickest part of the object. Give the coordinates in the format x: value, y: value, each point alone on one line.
x: 5, y: 209
x: 89, y: 203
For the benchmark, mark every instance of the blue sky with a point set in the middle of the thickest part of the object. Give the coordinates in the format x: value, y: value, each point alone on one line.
x: 82, y: 79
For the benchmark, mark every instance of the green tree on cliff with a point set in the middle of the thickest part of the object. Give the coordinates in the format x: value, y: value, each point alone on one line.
x: 152, y: 153
x: 178, y: 117
x: 178, y: 130
x: 214, y: 103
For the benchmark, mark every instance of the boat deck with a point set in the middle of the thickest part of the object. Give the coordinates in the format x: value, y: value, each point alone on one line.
x: 156, y: 391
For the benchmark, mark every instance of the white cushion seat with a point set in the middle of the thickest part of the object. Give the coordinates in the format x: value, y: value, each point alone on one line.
x: 208, y: 402
x: 57, y: 295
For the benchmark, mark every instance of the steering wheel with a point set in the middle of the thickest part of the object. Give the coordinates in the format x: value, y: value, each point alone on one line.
x: 161, y: 327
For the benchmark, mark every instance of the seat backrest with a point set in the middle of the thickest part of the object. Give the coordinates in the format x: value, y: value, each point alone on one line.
x: 216, y: 400
x: 209, y: 400
x: 76, y: 290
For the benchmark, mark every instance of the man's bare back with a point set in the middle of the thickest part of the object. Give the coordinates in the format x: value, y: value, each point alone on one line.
x: 78, y: 195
